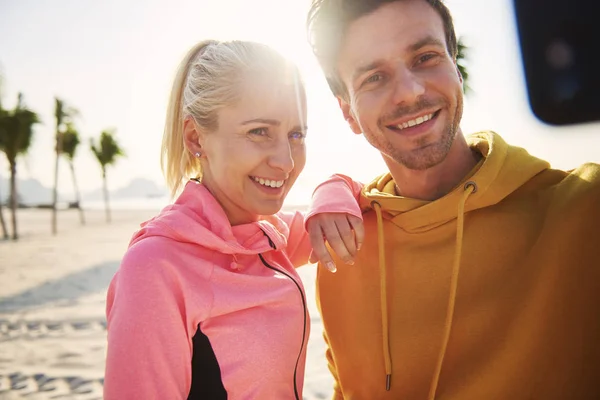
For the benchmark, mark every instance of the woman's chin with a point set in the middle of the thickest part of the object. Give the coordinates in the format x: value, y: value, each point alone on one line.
x: 270, y: 207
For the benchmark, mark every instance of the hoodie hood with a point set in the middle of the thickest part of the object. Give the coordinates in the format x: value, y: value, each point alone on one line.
x: 197, y: 218
x: 503, y: 170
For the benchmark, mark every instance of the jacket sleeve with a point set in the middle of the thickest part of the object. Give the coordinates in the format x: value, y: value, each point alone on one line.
x: 149, y: 341
x: 338, y: 194
x: 298, y: 243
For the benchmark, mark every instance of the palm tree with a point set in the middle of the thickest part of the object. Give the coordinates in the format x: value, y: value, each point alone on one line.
x: 461, y: 57
x: 107, y: 151
x: 62, y: 114
x: 16, y: 132
x: 70, y: 141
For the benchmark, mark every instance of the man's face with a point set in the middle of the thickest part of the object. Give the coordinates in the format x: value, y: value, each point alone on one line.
x: 405, y: 92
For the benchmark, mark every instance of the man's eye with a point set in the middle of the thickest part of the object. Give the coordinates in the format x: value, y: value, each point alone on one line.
x: 426, y: 57
x: 373, y: 78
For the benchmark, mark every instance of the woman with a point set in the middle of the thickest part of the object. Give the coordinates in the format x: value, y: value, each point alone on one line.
x: 206, y: 302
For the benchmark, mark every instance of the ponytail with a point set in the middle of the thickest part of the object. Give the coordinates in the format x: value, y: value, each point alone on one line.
x: 176, y: 161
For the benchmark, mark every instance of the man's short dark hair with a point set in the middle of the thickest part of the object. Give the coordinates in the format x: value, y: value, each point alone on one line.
x: 328, y: 21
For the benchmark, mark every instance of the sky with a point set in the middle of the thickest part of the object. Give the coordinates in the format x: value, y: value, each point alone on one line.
x: 114, y: 61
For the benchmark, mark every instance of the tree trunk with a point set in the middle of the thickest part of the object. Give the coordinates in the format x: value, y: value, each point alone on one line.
x: 2, y: 222
x: 55, y: 191
x: 106, y: 204
x: 77, y: 195
x: 13, y: 199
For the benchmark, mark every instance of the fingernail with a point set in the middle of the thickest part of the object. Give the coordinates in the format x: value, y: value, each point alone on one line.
x: 331, y: 266
x: 359, y: 246
x: 350, y: 262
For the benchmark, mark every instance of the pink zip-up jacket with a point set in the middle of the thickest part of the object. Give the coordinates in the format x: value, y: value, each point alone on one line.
x: 202, y: 310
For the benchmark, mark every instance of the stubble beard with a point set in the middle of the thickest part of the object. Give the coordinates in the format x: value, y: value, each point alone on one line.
x: 424, y: 155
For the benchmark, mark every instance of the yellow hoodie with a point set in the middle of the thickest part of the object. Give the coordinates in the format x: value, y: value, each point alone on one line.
x: 491, y: 292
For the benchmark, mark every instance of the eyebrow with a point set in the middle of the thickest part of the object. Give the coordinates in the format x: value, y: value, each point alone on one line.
x: 300, y: 128
x: 426, y: 41
x: 365, y: 68
x: 273, y: 122
x: 262, y: 121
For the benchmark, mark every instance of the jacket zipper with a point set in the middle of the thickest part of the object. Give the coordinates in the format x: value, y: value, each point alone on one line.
x: 304, y: 312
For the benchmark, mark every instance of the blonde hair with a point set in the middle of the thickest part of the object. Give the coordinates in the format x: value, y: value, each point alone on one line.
x: 208, y: 79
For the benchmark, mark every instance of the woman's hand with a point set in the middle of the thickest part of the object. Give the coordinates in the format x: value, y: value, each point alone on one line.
x: 344, y: 233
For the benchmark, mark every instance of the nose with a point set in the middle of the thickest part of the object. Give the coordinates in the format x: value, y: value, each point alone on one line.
x: 281, y: 157
x: 408, y: 87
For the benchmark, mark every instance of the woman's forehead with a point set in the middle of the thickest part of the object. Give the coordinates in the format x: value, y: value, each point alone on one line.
x: 259, y: 96
x: 281, y: 103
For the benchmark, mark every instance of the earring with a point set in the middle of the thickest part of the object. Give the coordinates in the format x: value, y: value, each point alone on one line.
x: 198, y: 154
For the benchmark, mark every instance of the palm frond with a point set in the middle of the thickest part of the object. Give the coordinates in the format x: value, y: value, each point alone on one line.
x: 70, y: 141
x: 16, y: 130
x: 461, y: 61
x: 107, y: 150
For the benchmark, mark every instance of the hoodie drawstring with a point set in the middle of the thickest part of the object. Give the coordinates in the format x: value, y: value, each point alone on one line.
x: 469, y: 188
x: 383, y: 296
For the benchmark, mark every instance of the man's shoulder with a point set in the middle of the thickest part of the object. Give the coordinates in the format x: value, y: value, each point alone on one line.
x: 575, y: 193
x: 589, y: 169
x: 584, y: 180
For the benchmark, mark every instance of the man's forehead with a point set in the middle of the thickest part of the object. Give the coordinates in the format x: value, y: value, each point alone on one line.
x: 392, y: 29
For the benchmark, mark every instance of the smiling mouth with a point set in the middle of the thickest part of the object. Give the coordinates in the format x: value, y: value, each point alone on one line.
x: 268, y: 182
x: 415, y: 122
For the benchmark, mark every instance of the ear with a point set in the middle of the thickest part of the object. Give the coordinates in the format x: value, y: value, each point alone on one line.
x: 192, y: 136
x: 349, y: 116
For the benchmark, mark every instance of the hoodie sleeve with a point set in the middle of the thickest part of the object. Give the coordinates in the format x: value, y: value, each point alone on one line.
x: 338, y: 194
x: 149, y: 341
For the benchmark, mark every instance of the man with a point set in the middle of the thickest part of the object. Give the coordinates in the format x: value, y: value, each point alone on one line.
x: 479, y: 275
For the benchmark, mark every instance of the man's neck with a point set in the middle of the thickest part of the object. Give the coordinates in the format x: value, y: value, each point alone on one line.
x: 434, y: 183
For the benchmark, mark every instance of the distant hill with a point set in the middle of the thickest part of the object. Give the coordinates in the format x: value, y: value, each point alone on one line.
x: 32, y: 192
x: 137, y: 188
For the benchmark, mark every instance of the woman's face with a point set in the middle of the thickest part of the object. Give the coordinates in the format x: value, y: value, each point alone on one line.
x: 253, y: 158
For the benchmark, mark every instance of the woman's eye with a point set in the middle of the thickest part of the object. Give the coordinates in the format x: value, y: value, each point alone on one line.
x: 298, y: 135
x: 258, y: 131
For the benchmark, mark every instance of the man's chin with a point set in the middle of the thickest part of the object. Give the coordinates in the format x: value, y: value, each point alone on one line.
x: 423, y: 157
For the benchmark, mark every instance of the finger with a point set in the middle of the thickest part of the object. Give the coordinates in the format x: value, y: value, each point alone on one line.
x: 320, y: 252
x: 332, y: 235
x: 345, y: 231
x: 312, y: 258
x: 359, y: 230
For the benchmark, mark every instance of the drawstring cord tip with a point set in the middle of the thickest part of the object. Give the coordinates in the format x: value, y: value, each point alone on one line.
x: 388, y: 382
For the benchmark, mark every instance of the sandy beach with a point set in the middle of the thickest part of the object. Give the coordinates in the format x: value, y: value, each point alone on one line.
x: 52, y: 298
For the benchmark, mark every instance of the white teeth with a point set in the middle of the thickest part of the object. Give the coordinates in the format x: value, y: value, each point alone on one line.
x: 414, y: 122
x: 270, y: 183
